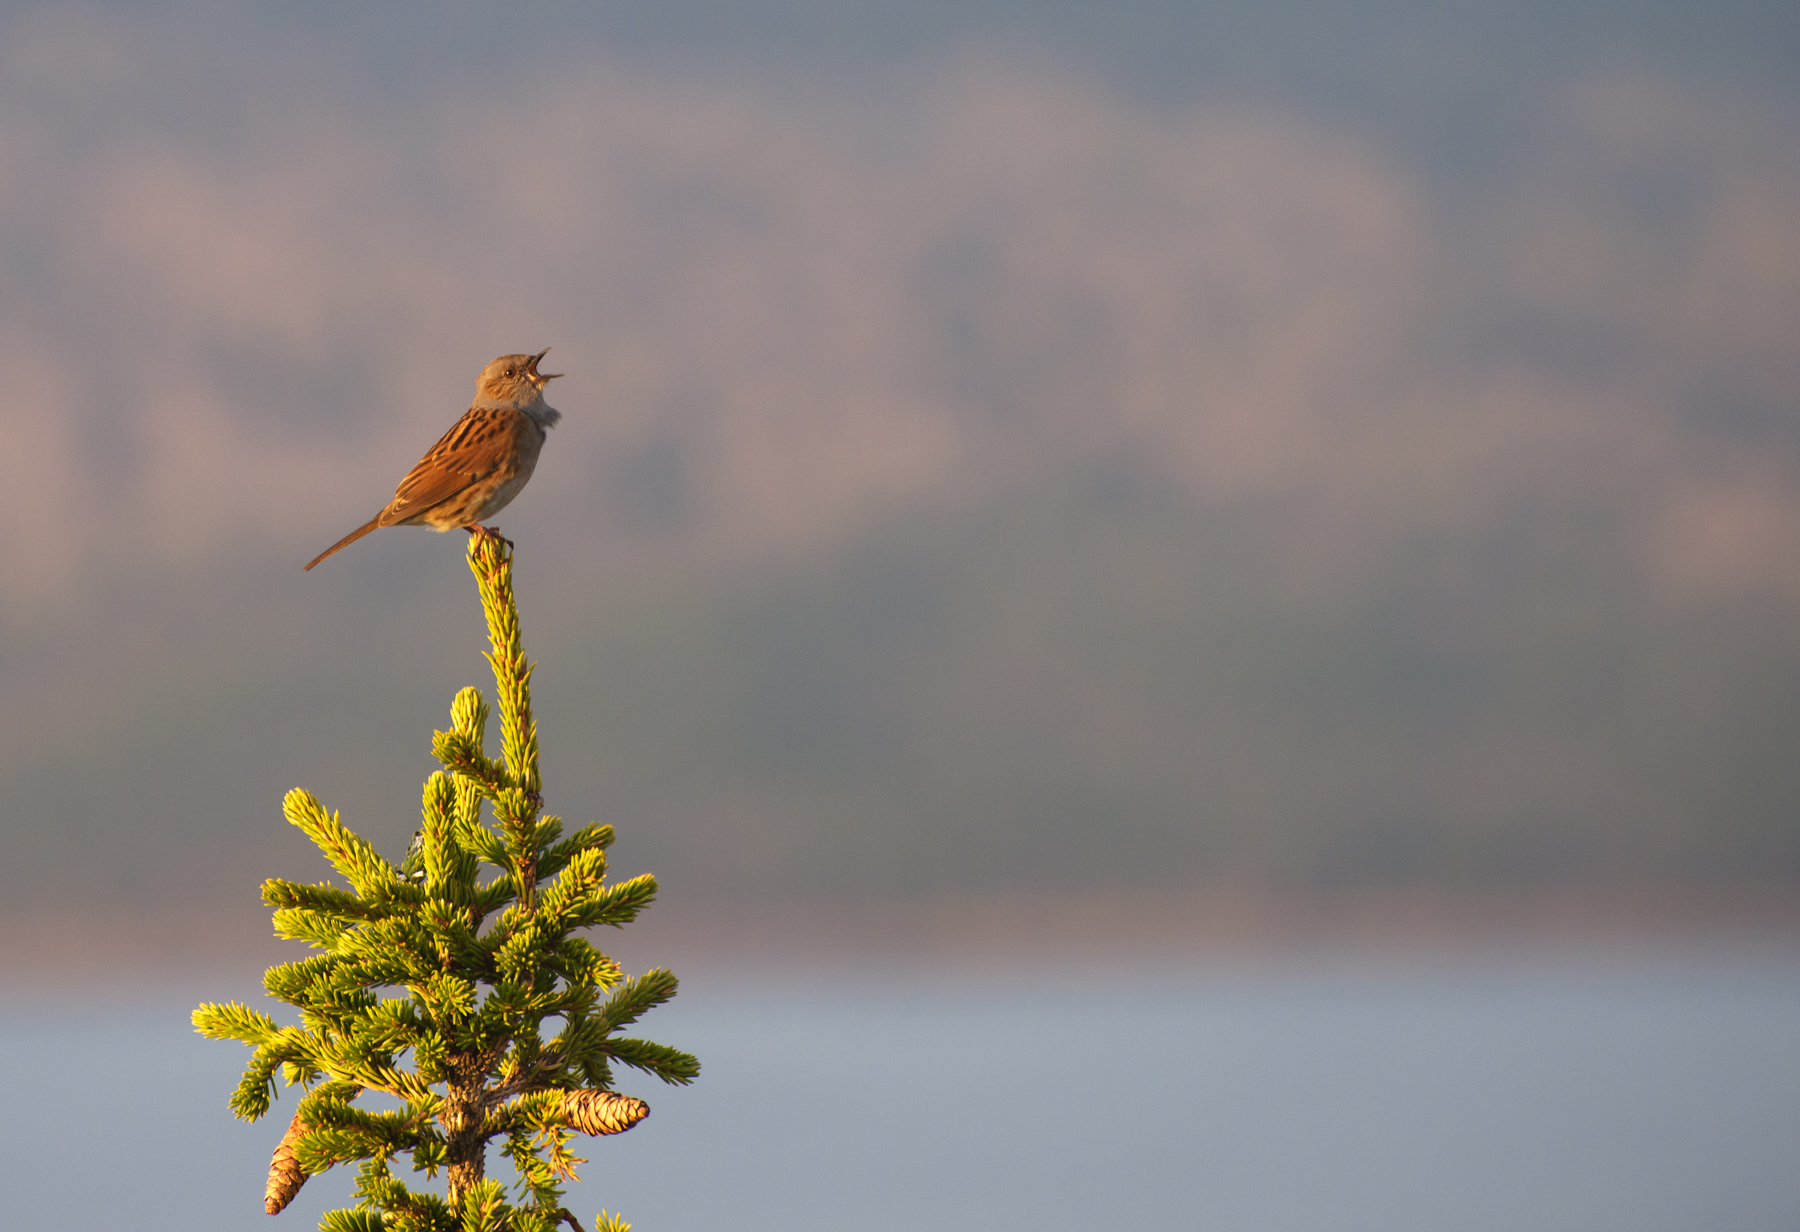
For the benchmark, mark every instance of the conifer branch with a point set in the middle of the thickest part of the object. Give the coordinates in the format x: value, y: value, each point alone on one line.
x: 326, y: 899
x: 237, y: 1022
x: 634, y: 999
x: 673, y: 1066
x: 461, y: 754
x: 361, y: 865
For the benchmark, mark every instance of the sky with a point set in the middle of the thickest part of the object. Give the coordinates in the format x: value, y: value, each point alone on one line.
x: 1008, y: 448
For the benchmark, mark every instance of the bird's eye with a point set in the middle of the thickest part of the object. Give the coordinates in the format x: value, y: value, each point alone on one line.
x: 509, y: 372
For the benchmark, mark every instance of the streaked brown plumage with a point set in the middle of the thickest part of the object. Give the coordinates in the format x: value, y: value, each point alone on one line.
x: 482, y: 462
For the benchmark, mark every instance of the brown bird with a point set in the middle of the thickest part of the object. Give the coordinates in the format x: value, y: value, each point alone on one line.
x: 482, y: 462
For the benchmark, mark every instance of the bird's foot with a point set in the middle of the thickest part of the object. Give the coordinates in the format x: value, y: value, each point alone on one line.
x: 484, y: 532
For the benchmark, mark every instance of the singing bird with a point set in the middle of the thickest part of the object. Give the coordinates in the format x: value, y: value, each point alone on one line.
x: 482, y: 462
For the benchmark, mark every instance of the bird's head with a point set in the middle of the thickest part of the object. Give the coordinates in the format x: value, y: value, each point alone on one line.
x: 514, y: 380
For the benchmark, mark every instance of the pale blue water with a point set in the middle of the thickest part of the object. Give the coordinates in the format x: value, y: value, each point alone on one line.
x: 1586, y: 1096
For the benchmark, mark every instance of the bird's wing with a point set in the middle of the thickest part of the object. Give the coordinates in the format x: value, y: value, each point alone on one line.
x: 470, y: 450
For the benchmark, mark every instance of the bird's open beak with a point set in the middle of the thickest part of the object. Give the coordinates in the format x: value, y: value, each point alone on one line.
x: 542, y: 376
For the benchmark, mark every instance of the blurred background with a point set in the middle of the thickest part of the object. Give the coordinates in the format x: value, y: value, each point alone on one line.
x: 1272, y: 528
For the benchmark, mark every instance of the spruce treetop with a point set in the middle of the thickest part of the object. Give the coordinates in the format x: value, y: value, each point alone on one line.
x: 476, y: 936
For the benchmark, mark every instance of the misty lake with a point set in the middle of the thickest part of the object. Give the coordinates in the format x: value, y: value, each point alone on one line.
x: 1581, y: 1094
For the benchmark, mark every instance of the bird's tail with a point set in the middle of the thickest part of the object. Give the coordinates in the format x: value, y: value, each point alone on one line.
x: 347, y: 540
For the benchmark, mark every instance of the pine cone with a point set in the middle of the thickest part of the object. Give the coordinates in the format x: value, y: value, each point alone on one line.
x: 285, y: 1174
x: 601, y: 1112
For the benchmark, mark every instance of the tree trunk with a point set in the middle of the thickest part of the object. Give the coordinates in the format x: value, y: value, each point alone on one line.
x: 461, y: 1118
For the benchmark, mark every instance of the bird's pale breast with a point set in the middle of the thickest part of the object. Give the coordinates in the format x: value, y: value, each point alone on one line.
x: 528, y: 441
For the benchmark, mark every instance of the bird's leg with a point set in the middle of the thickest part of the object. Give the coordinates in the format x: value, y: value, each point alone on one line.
x: 481, y: 531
